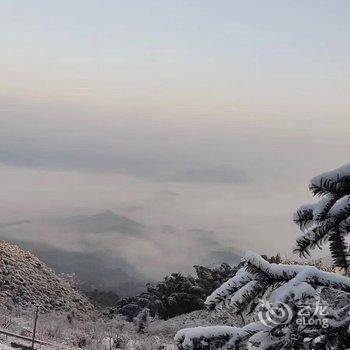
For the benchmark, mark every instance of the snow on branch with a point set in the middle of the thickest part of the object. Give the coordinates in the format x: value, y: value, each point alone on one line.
x: 328, y: 220
x: 216, y: 337
x: 227, y: 289
x: 266, y: 284
x: 336, y: 181
x: 257, y: 275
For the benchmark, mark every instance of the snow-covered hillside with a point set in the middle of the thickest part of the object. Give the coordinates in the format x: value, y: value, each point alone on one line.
x: 26, y: 281
x: 68, y: 333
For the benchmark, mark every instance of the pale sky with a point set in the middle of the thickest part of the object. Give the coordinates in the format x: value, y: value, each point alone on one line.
x: 196, y: 114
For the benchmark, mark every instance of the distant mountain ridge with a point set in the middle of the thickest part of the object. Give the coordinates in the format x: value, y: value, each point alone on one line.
x: 112, y: 252
x: 14, y: 223
x: 104, y: 222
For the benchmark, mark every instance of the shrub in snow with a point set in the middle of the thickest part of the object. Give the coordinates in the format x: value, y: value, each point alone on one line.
x: 134, y: 345
x: 107, y: 343
x: 285, y: 306
x: 142, y: 321
x: 167, y: 347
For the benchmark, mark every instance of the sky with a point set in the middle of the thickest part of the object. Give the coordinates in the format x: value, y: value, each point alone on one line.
x: 206, y: 115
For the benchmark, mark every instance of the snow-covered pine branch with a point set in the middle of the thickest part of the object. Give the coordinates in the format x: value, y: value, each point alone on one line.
x: 328, y: 220
x: 277, y: 283
x: 216, y: 337
x: 258, y: 275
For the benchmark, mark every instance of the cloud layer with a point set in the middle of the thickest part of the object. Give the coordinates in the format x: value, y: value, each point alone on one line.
x: 111, y: 252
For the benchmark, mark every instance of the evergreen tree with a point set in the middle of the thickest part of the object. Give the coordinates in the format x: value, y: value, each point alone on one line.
x: 177, y: 294
x: 272, y: 298
x: 328, y: 220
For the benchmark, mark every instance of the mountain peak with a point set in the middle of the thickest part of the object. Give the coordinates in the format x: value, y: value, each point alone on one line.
x: 107, y: 212
x: 104, y: 222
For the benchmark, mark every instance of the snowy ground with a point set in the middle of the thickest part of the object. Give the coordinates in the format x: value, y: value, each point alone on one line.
x: 4, y: 347
x: 94, y: 335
